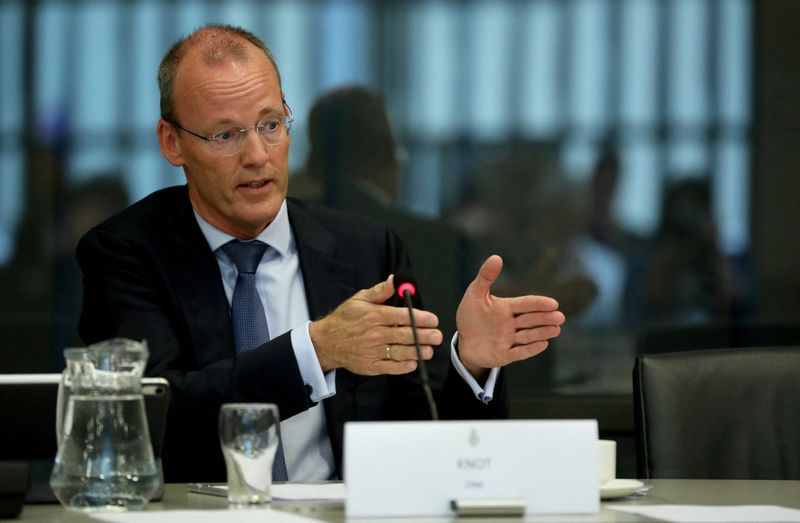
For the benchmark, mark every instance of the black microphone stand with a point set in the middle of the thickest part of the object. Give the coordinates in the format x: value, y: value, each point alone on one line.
x: 423, y: 371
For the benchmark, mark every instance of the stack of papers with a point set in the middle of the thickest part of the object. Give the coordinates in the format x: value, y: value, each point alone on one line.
x: 250, y: 515
x: 713, y: 514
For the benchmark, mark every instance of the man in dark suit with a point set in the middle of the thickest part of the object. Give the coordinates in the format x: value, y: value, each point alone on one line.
x: 161, y: 270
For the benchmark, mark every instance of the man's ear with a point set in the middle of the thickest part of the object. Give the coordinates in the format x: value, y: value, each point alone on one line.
x: 169, y: 143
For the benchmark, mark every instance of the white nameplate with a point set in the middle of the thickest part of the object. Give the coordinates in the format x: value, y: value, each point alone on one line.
x: 420, y: 468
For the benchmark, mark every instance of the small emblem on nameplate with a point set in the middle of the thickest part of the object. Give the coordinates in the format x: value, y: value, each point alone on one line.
x: 473, y: 438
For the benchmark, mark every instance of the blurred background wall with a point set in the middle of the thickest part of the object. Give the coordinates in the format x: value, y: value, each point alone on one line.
x: 637, y: 159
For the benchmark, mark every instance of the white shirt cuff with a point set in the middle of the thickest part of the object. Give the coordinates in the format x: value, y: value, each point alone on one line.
x: 484, y: 393
x: 323, y: 385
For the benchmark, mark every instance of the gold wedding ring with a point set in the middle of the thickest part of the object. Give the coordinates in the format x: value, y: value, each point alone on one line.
x: 388, y: 354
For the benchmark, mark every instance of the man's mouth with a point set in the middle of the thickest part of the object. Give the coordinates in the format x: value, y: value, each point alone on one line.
x: 257, y: 184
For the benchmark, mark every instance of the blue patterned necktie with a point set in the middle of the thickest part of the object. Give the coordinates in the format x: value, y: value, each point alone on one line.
x: 249, y: 322
x: 250, y: 328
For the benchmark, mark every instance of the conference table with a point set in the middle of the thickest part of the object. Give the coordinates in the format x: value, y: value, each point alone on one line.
x: 662, y: 492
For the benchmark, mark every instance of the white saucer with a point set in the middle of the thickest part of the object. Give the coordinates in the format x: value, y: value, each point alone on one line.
x: 617, y: 488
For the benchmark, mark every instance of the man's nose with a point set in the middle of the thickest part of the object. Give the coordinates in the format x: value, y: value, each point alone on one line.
x: 255, y: 150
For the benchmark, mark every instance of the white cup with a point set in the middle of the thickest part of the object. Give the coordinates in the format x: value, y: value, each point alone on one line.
x: 606, y: 460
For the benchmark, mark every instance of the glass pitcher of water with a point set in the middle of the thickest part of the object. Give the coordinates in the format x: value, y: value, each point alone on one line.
x: 105, y: 459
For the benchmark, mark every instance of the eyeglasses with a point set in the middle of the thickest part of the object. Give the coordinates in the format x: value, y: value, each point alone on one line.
x: 273, y: 130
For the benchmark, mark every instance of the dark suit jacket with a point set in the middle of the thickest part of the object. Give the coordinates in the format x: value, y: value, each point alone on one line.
x: 149, y: 274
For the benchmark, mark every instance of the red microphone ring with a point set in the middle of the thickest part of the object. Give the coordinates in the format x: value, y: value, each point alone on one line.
x: 401, y: 290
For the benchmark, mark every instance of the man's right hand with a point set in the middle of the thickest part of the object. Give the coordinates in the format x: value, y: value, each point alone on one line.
x: 355, y: 335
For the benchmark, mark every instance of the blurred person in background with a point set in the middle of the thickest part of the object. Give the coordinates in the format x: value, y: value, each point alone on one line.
x: 354, y: 161
x: 27, y: 300
x: 603, y: 248
x: 685, y: 277
x: 523, y: 208
x: 86, y: 203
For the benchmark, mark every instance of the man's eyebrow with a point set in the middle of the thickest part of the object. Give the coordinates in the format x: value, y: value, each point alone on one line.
x: 224, y: 121
x: 268, y: 111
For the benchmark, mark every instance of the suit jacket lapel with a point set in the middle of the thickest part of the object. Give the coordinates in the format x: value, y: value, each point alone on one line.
x: 328, y: 281
x: 199, y: 289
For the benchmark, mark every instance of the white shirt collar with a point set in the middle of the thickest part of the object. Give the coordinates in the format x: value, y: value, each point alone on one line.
x: 277, y: 234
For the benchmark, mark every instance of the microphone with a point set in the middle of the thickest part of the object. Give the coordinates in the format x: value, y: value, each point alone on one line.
x: 406, y: 287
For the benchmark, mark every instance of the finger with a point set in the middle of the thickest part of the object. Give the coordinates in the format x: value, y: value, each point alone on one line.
x: 380, y: 337
x: 399, y: 316
x: 379, y: 292
x: 530, y: 303
x: 539, y: 319
x: 393, y: 367
x: 487, y: 275
x: 527, y: 336
x: 409, y: 352
x: 405, y: 336
x: 523, y: 352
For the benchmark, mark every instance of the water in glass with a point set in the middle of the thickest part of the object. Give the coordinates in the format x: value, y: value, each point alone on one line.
x: 249, y: 440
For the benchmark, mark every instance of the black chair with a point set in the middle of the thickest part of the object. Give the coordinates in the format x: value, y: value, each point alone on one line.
x: 716, y: 335
x: 718, y: 414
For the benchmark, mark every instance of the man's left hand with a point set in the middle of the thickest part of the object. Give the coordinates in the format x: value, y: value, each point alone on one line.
x: 493, y: 332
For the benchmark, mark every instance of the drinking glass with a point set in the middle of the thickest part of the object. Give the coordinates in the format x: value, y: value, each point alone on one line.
x: 248, y: 434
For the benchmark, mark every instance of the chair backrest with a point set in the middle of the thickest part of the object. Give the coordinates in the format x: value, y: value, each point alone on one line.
x: 719, y: 335
x: 719, y: 414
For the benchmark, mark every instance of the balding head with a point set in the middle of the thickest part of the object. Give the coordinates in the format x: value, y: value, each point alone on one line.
x: 217, y: 44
